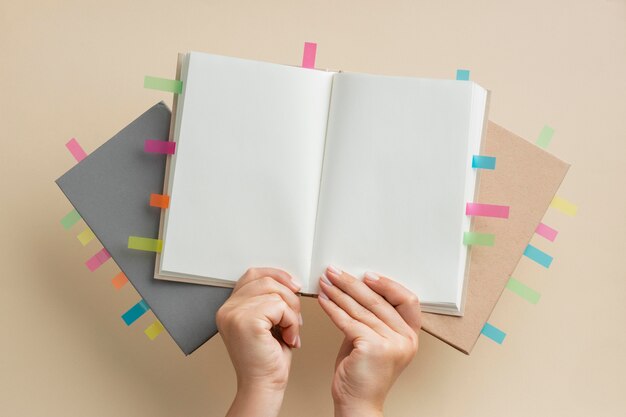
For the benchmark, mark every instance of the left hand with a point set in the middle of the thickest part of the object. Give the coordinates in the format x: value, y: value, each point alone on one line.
x: 260, y: 324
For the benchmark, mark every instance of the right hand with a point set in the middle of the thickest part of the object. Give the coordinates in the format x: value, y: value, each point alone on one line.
x: 380, y: 319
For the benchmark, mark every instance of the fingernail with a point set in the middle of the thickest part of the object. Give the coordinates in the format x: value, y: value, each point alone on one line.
x: 296, y: 283
x: 298, y: 342
x: 334, y: 270
x: 326, y: 280
x: 300, y: 319
x: 372, y: 276
x: 322, y: 295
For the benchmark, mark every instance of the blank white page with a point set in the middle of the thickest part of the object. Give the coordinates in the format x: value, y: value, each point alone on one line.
x: 397, y: 173
x: 244, y: 180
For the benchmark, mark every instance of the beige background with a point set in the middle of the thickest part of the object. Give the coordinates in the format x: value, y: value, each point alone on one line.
x: 73, y: 69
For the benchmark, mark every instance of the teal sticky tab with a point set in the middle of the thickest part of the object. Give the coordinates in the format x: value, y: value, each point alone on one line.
x: 462, y: 74
x: 484, y: 162
x: 493, y: 333
x: 538, y: 256
x: 545, y: 136
x: 135, y: 312
x: 70, y: 219
x: 163, y: 84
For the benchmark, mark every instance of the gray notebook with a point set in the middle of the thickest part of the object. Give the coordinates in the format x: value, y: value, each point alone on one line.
x: 111, y: 190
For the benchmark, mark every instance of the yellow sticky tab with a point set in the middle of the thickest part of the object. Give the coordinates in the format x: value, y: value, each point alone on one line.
x: 154, y: 330
x: 563, y: 205
x: 144, y: 243
x: 85, y: 236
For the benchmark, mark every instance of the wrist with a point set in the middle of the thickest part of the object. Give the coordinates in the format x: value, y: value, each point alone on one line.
x: 255, y: 400
x: 357, y: 408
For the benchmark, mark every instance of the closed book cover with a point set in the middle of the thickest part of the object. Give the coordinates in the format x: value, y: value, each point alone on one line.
x: 526, y: 179
x: 111, y: 190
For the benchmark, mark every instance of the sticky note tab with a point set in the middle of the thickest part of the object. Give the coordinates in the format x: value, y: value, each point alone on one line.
x: 159, y: 200
x: 308, y: 57
x: 487, y: 210
x: 478, y: 239
x: 493, y: 333
x: 463, y: 74
x: 135, y: 312
x: 119, y: 280
x: 159, y: 146
x: 85, y: 236
x: 98, y: 259
x: 163, y: 84
x: 545, y: 136
x: 76, y: 150
x: 546, y: 231
x: 563, y: 205
x: 484, y: 162
x: 523, y: 291
x: 538, y: 256
x: 70, y: 219
x: 154, y: 330
x: 145, y: 243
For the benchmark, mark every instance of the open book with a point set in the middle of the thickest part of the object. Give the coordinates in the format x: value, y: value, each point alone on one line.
x: 297, y: 169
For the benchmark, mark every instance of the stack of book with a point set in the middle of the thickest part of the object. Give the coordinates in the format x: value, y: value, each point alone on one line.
x: 297, y: 168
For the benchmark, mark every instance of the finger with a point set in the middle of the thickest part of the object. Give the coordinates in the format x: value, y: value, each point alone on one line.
x: 268, y: 285
x: 278, y: 274
x: 352, y: 328
x: 354, y: 309
x: 368, y: 298
x: 405, y: 302
x: 278, y: 313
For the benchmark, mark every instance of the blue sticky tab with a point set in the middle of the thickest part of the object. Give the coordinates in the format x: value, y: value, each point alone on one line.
x: 538, y: 256
x: 462, y: 74
x: 493, y: 333
x: 135, y: 312
x: 484, y: 162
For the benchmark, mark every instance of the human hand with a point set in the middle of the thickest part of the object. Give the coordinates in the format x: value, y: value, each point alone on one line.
x: 380, y: 319
x: 260, y: 324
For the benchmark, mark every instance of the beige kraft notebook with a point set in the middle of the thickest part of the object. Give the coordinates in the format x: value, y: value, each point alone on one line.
x: 526, y: 178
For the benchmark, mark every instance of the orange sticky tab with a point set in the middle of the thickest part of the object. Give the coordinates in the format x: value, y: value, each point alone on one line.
x: 159, y: 200
x: 119, y: 280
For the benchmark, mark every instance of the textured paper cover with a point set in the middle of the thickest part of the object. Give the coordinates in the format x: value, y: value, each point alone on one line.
x: 526, y: 178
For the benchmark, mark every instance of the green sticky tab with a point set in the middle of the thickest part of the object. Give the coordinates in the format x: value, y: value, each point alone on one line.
x: 523, y: 291
x: 479, y: 239
x: 70, y: 219
x: 145, y: 243
x: 163, y: 84
x: 545, y: 136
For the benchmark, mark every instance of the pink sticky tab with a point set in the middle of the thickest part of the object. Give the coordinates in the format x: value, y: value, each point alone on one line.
x: 308, y: 58
x: 159, y: 146
x: 77, y: 152
x: 546, y: 231
x: 487, y: 210
x: 98, y: 259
